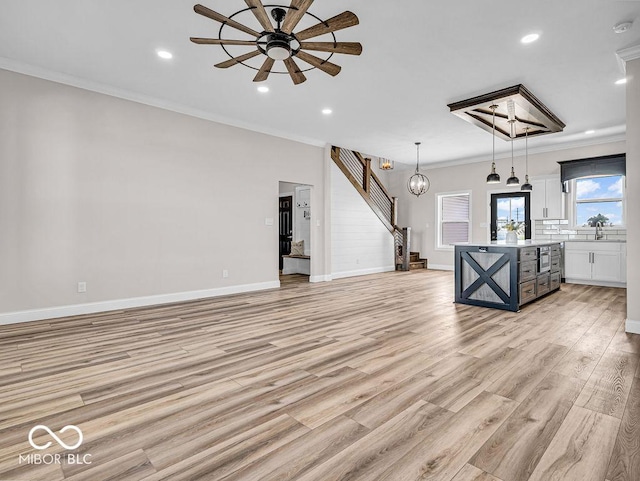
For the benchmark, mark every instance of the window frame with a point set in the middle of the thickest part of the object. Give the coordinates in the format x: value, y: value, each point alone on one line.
x: 439, y: 196
x: 573, y: 201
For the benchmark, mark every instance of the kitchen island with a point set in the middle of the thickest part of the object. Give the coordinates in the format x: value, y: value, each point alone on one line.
x: 506, y: 276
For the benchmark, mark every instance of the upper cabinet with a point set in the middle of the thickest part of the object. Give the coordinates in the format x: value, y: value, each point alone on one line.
x: 547, y: 199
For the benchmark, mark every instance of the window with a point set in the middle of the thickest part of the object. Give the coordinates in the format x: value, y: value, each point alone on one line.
x: 599, y: 199
x: 510, y: 211
x: 454, y: 219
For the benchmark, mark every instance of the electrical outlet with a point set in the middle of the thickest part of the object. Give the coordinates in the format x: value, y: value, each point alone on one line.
x: 225, y: 273
x: 82, y: 287
x: 357, y: 261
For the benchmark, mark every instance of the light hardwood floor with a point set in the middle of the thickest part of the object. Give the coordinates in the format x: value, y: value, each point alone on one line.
x: 373, y: 378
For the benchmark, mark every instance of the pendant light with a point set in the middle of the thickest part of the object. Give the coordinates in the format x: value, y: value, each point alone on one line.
x: 418, y: 183
x: 526, y: 185
x: 493, y: 177
x: 512, y: 180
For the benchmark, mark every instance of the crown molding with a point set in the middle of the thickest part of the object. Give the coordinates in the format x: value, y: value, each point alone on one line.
x: 537, y: 150
x: 626, y: 55
x: 65, y: 79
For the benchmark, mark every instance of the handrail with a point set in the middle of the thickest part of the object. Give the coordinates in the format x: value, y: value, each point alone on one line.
x: 384, y: 206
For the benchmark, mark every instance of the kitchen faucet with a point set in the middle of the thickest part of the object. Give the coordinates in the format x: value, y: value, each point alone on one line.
x: 598, y: 230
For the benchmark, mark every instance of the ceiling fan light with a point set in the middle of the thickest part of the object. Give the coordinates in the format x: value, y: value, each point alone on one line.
x: 278, y: 50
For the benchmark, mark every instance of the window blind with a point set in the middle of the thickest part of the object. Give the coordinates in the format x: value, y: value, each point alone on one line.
x: 454, y: 218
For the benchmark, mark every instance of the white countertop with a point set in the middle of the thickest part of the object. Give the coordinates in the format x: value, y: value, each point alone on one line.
x: 593, y: 240
x: 521, y: 243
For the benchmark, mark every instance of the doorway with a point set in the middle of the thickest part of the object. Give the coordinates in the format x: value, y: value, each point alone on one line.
x: 294, y: 233
x: 285, y: 233
x: 509, y: 211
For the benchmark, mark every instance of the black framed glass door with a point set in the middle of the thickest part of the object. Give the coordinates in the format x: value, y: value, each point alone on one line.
x: 511, y: 210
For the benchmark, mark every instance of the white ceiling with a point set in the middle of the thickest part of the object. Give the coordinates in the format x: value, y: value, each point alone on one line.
x: 418, y: 56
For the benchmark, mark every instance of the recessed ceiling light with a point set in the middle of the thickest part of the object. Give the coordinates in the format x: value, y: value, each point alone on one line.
x: 622, y: 27
x: 589, y: 132
x: 263, y: 89
x: 327, y: 111
x: 164, y: 54
x: 532, y: 37
x: 621, y: 81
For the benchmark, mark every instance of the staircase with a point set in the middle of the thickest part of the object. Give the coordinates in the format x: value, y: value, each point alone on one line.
x: 415, y: 262
x: 358, y: 170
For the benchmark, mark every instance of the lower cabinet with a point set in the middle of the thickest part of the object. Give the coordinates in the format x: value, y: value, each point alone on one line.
x: 533, y: 284
x: 598, y: 262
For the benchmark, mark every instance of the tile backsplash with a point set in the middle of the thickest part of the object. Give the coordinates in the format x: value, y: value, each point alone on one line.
x: 558, y: 229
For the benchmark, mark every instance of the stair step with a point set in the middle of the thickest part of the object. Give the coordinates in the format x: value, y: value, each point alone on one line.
x: 421, y: 264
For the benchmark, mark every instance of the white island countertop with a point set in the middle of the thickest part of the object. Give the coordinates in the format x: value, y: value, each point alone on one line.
x: 521, y: 243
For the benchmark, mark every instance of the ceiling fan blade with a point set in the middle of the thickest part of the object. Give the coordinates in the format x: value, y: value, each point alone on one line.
x: 328, y: 67
x: 216, y: 41
x: 236, y: 60
x: 264, y: 71
x: 296, y: 11
x: 202, y: 10
x: 296, y: 75
x: 261, y: 14
x: 348, y: 48
x: 344, y: 20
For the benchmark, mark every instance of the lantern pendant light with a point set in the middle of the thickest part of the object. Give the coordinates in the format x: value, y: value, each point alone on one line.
x: 512, y: 180
x: 385, y: 164
x: 493, y: 177
x: 418, y: 183
x: 526, y: 185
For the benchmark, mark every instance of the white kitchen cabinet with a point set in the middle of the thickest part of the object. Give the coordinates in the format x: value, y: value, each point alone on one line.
x: 597, y: 263
x: 547, y: 199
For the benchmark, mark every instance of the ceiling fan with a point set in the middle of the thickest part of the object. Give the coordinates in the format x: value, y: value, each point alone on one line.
x: 279, y: 43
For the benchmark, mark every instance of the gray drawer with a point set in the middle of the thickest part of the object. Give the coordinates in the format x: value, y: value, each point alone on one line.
x: 528, y: 254
x: 554, y: 282
x: 543, y: 284
x: 555, y: 250
x: 555, y: 264
x: 527, y: 291
x: 528, y: 270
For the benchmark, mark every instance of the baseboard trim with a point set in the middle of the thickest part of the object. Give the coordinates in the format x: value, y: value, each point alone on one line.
x: 326, y: 278
x: 362, y: 272
x: 119, y: 304
x: 632, y: 327
x: 440, y: 267
x: 622, y: 285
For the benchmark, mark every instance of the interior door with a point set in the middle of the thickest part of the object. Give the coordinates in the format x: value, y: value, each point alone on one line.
x: 285, y: 227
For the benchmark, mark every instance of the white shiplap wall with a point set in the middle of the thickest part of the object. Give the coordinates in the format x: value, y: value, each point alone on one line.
x: 360, y: 243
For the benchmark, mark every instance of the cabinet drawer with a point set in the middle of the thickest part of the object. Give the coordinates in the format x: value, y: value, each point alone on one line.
x: 528, y: 254
x: 527, y: 291
x: 528, y: 270
x: 555, y: 250
x: 554, y: 282
x: 555, y: 264
x: 543, y: 284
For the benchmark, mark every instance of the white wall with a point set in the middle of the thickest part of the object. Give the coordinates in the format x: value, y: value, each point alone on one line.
x: 360, y: 243
x: 633, y: 196
x: 420, y: 213
x: 136, y: 201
